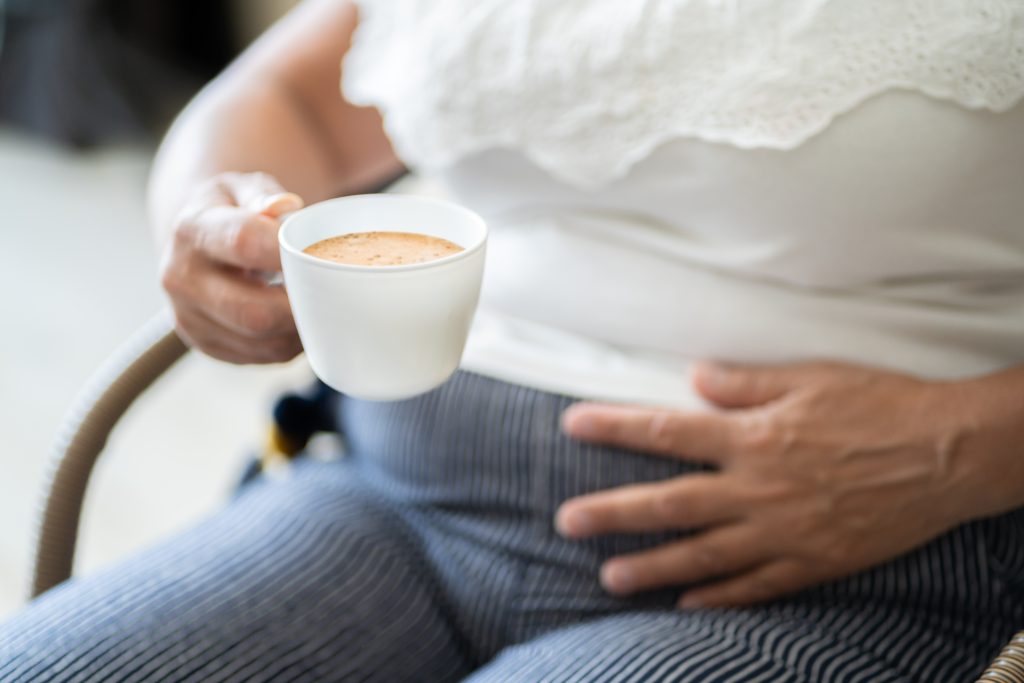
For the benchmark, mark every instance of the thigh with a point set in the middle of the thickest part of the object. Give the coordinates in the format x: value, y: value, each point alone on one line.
x: 678, y: 647
x: 306, y: 579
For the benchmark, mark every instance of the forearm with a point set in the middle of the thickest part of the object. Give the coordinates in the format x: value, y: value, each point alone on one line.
x: 238, y: 126
x: 279, y: 110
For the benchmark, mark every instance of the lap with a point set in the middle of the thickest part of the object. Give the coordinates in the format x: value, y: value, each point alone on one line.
x: 453, y: 562
x: 308, y: 579
x: 779, y: 643
x: 652, y: 648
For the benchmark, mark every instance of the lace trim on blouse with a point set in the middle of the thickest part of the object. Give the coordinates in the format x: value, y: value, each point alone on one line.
x: 587, y: 88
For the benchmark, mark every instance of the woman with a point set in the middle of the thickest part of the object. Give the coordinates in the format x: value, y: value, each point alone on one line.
x: 743, y: 398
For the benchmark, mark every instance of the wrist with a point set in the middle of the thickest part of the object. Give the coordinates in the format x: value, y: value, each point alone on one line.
x: 981, y: 427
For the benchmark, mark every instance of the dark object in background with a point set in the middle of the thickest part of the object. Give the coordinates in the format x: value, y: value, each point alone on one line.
x: 87, y: 72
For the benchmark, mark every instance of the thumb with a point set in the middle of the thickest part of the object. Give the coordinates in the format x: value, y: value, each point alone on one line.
x: 261, y: 193
x: 736, y: 386
x: 277, y: 205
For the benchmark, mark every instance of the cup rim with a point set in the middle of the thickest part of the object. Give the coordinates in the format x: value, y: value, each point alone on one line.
x: 356, y: 268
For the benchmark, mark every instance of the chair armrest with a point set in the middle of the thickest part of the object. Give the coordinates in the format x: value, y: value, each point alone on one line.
x: 122, y: 378
x: 1008, y: 667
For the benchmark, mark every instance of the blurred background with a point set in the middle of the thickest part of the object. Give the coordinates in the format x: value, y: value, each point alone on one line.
x: 87, y: 88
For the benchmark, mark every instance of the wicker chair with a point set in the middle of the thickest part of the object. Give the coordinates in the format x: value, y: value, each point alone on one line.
x: 108, y: 395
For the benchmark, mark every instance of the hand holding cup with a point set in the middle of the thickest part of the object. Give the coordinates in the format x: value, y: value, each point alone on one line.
x: 215, y: 270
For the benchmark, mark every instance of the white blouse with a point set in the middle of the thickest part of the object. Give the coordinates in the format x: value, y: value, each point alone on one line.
x: 760, y: 181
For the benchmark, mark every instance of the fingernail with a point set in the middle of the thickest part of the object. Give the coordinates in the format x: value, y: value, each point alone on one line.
x: 282, y: 202
x: 617, y: 577
x: 690, y: 602
x: 584, y: 426
x: 712, y: 375
x: 573, y: 522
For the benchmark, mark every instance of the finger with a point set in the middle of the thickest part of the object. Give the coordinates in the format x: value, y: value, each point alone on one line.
x: 198, y: 331
x: 702, y: 436
x: 248, y: 307
x: 204, y: 333
x: 692, y: 501
x: 262, y: 193
x: 768, y: 582
x: 733, y: 386
x: 278, y: 205
x: 235, y: 237
x: 243, y: 305
x: 248, y: 352
x: 712, y: 554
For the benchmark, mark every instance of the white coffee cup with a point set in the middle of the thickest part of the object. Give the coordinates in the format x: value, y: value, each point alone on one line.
x: 383, y: 332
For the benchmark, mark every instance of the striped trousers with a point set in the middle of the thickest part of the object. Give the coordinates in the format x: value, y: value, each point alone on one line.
x: 427, y: 553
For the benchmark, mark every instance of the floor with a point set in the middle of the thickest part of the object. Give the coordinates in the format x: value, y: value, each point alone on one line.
x: 78, y: 276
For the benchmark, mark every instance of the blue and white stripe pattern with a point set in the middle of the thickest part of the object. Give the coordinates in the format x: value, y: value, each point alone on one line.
x: 428, y: 554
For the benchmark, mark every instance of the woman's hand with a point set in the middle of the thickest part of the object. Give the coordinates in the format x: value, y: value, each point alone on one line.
x: 821, y: 470
x: 216, y: 266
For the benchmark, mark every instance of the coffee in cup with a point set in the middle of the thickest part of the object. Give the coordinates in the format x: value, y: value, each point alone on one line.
x: 382, y: 248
